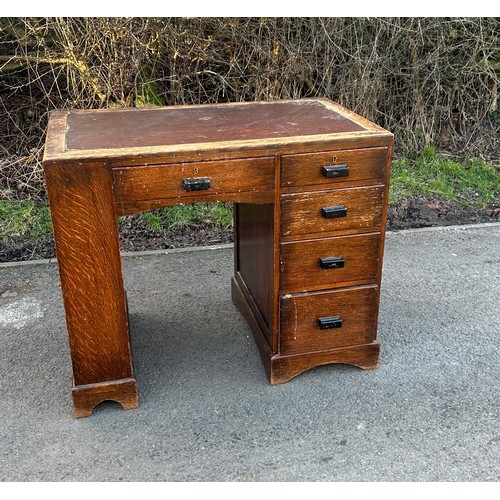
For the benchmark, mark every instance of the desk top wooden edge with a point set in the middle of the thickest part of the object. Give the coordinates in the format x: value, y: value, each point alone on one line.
x: 56, y: 150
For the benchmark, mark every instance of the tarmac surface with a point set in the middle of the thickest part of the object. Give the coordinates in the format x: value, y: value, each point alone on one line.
x: 431, y: 412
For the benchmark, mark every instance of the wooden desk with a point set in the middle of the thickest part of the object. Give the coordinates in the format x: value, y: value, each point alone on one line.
x: 309, y: 180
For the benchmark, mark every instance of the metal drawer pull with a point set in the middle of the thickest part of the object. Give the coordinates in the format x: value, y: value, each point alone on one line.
x: 196, y: 184
x: 331, y: 262
x: 334, y: 212
x: 331, y: 322
x: 332, y: 171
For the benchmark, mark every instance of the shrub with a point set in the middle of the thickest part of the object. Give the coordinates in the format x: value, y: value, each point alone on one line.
x: 428, y: 80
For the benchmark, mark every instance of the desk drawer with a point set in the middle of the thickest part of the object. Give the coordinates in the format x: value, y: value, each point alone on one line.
x: 327, y: 211
x: 191, y: 182
x: 333, y: 168
x: 329, y: 262
x: 321, y: 321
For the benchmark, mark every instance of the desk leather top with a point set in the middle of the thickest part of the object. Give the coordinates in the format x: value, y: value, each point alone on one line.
x: 136, y: 127
x: 188, y: 131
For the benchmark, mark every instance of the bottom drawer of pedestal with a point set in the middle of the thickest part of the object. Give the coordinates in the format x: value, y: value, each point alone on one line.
x: 320, y: 321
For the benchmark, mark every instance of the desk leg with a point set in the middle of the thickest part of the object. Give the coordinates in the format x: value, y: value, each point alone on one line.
x: 88, y: 254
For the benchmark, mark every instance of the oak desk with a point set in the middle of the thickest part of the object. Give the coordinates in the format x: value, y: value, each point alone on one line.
x: 309, y: 180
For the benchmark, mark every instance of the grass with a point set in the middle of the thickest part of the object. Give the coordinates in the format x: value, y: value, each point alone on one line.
x: 469, y: 182
x: 27, y: 219
x: 219, y: 215
x: 430, y: 174
x: 31, y: 220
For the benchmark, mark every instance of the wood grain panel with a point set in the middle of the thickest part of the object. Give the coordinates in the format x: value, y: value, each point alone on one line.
x: 366, y: 164
x: 300, y: 332
x: 302, y: 213
x: 300, y: 263
x: 88, y: 255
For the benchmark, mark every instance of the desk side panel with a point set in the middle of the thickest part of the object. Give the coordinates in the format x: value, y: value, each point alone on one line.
x: 255, y: 257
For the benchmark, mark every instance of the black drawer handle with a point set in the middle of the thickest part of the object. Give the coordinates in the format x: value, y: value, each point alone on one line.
x: 196, y: 184
x: 331, y: 322
x: 333, y: 171
x: 331, y: 262
x: 334, y: 212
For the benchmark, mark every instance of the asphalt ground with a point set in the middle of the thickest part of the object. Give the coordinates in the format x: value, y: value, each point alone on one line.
x: 431, y: 412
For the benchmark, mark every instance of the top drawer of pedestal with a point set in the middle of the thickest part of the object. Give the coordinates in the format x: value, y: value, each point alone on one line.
x: 331, y: 168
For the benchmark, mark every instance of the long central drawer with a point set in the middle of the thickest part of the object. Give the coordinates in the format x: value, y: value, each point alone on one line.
x: 191, y: 182
x: 329, y: 262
